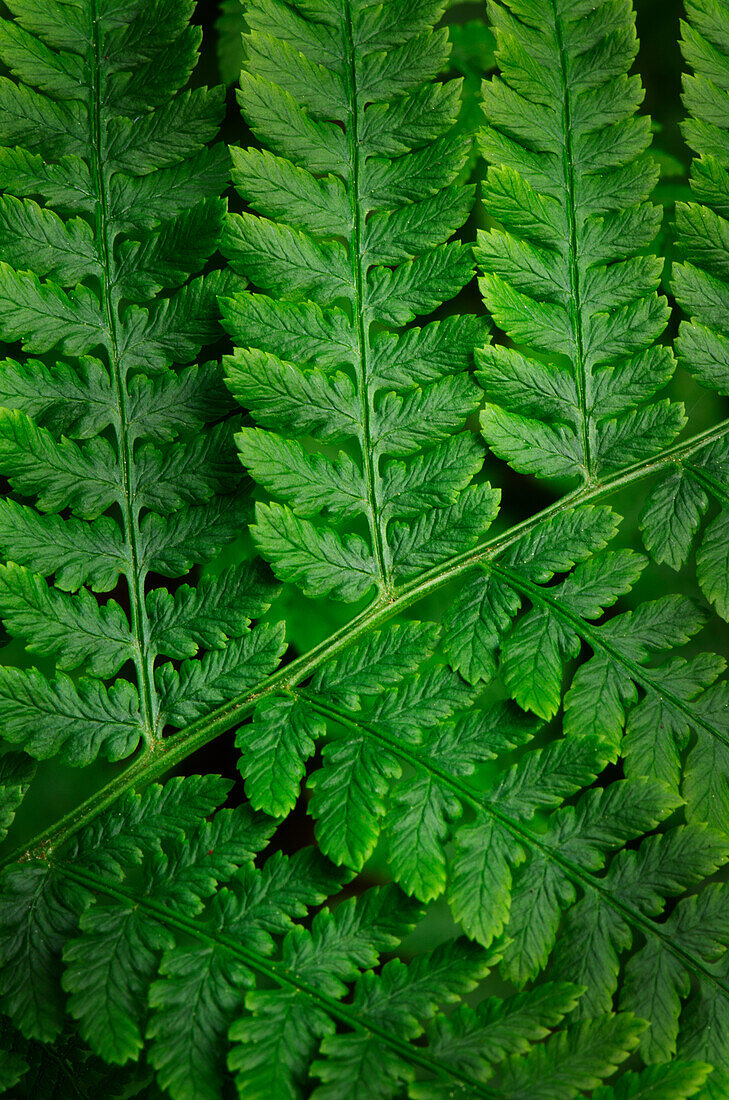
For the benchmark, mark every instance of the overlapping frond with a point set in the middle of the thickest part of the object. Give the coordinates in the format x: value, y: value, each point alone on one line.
x: 165, y: 934
x: 119, y: 455
x: 352, y: 204
x: 674, y: 512
x: 565, y: 271
x: 402, y: 765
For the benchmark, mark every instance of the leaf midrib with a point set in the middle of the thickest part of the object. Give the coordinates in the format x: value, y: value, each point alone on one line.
x: 369, y: 454
x: 582, y: 378
x: 143, y: 656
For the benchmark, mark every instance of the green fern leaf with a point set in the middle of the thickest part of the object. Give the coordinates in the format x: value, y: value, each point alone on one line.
x: 564, y: 274
x: 363, y: 217
x: 505, y: 876
x: 674, y: 1082
x: 197, y: 686
x: 132, y: 916
x: 559, y: 791
x: 350, y: 787
x: 47, y: 910
x: 110, y: 462
x: 575, y: 1058
x: 484, y: 609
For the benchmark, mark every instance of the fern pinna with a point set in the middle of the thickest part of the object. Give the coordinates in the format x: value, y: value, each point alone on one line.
x: 356, y: 203
x: 549, y: 757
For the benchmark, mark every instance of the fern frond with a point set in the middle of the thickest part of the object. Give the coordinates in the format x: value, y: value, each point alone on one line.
x: 618, y: 694
x: 548, y: 764
x: 674, y: 512
x: 347, y: 238
x: 402, y: 767
x: 109, y: 212
x: 156, y: 908
x: 565, y: 274
x: 666, y: 1082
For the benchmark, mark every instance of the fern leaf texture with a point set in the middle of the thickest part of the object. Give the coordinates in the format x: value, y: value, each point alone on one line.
x: 352, y: 204
x: 161, y: 902
x: 673, y: 519
x: 566, y: 274
x: 472, y: 831
x: 118, y: 454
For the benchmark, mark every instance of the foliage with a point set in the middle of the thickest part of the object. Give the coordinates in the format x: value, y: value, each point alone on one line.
x: 513, y: 752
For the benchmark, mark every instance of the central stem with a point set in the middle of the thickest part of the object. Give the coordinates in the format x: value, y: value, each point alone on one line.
x: 582, y: 376
x: 135, y: 573
x: 359, y: 306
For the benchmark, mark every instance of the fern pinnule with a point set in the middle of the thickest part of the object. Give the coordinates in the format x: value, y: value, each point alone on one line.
x: 565, y: 273
x: 362, y: 184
